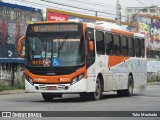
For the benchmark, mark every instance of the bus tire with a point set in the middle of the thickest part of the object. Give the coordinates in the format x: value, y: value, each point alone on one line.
x: 47, y: 97
x: 129, y: 91
x: 98, y: 92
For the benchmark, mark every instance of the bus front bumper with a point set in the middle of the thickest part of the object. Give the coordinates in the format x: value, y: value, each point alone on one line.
x: 80, y: 86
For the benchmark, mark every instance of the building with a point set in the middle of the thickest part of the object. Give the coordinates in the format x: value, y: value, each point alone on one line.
x: 13, y: 22
x: 130, y: 11
x: 146, y: 21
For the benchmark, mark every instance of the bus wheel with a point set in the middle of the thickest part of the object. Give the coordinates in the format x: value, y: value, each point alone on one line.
x: 47, y: 97
x: 98, y: 93
x: 129, y: 90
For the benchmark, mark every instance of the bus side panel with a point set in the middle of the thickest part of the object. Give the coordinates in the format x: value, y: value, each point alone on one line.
x: 140, y: 72
x: 117, y: 76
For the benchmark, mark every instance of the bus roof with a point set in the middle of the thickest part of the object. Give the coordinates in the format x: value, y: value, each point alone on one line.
x: 112, y: 28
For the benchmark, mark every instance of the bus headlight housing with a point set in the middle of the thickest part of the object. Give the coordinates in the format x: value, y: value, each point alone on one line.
x: 29, y: 79
x: 77, y: 78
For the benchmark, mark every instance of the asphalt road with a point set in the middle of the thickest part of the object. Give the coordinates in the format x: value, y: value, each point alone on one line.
x: 146, y: 99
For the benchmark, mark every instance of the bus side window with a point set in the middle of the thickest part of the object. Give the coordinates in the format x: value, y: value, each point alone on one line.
x: 137, y: 47
x: 117, y: 45
x: 131, y: 51
x: 100, y: 43
x: 90, y: 32
x: 142, y: 47
x: 124, y: 45
x: 109, y: 44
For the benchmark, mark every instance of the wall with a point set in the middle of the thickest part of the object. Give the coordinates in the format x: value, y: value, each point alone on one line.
x: 153, y: 66
x: 13, y: 22
x: 6, y: 72
x: 150, y: 27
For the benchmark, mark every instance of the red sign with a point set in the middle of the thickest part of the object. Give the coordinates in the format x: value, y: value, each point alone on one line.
x: 46, y: 63
x: 56, y: 17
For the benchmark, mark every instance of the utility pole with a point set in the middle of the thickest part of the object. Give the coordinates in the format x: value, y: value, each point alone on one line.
x: 118, y: 12
x: 96, y: 15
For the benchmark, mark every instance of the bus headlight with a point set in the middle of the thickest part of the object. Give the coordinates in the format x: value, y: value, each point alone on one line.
x: 77, y: 78
x: 29, y: 79
x: 74, y: 80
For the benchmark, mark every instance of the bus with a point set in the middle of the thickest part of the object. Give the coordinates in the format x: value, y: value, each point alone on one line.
x: 65, y: 57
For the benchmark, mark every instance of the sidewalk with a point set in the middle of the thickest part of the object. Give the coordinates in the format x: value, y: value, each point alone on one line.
x: 6, y: 92
x: 153, y: 83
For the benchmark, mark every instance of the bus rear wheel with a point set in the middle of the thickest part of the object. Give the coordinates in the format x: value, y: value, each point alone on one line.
x: 129, y: 91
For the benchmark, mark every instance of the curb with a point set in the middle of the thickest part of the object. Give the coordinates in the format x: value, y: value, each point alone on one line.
x: 153, y: 83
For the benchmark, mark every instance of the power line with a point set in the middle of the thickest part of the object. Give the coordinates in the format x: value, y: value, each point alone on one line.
x: 42, y: 5
x: 142, y: 3
x: 98, y: 4
x: 76, y: 7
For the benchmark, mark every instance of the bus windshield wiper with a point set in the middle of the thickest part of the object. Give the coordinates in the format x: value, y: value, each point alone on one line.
x: 62, y: 44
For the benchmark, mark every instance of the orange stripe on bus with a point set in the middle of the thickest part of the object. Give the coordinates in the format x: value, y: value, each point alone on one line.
x: 115, y: 60
x: 122, y: 32
x: 55, y: 79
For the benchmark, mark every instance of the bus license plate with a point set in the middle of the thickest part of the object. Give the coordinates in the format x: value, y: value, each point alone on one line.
x: 51, y: 88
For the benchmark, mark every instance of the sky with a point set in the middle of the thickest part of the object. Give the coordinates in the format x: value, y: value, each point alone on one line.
x: 107, y: 6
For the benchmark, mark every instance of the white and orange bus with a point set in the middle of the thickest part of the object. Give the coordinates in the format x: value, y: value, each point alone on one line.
x: 85, y: 58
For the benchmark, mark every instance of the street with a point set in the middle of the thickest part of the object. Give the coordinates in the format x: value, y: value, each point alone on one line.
x: 147, y: 99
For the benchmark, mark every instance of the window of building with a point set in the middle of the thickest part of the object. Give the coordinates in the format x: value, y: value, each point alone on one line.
x: 100, y: 42
x: 129, y: 10
x: 137, y: 10
x: 137, y: 47
x: 117, y: 45
x: 152, y: 10
x: 153, y: 54
x: 131, y: 51
x: 109, y: 44
x: 145, y: 10
x: 124, y: 46
x: 158, y: 10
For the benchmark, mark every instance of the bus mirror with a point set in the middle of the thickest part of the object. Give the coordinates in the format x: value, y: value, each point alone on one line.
x: 21, y: 46
x: 91, y: 46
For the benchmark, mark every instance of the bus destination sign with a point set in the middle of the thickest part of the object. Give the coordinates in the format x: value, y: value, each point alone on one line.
x: 54, y: 28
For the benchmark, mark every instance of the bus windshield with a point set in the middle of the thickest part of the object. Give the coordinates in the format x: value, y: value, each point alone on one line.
x: 55, y: 51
